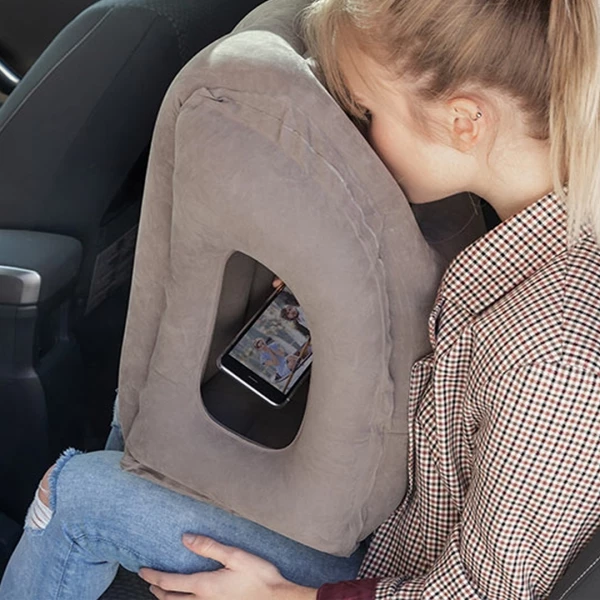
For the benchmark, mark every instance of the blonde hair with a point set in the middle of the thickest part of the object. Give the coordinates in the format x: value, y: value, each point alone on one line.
x: 543, y: 53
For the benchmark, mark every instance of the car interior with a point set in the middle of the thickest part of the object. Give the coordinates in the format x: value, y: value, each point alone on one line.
x: 81, y: 85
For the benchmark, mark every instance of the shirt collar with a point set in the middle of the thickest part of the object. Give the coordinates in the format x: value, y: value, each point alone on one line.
x: 512, y: 252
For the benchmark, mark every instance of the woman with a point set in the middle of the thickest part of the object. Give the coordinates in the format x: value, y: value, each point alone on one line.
x: 500, y: 98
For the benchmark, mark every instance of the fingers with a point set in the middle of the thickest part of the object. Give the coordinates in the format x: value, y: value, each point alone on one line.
x: 245, y: 576
x: 164, y: 595
x: 231, y: 558
x: 277, y: 282
x: 203, y: 546
x: 209, y: 548
x: 173, y: 582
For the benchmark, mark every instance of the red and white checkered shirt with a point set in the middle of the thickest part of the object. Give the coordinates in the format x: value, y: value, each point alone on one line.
x: 504, y: 459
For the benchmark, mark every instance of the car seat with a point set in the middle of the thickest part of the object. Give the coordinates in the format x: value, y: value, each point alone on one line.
x: 74, y: 133
x: 74, y: 137
x: 22, y: 40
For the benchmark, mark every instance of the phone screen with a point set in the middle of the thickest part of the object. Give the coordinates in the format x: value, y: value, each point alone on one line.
x: 275, y: 348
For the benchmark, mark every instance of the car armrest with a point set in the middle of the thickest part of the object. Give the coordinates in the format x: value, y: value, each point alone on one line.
x: 34, y: 266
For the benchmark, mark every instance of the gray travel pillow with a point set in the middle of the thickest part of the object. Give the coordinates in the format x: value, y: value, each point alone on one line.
x: 253, y: 158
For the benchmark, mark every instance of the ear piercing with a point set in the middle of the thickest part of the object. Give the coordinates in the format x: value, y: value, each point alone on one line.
x: 478, y: 116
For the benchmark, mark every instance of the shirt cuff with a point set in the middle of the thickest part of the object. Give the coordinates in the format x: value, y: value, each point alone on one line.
x: 360, y: 589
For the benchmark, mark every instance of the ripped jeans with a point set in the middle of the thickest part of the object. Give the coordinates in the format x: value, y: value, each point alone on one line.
x: 102, y: 517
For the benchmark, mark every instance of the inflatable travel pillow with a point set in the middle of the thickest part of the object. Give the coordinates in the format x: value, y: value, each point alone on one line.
x: 252, y: 163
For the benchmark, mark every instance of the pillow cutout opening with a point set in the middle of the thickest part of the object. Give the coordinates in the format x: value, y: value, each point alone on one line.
x: 247, y: 284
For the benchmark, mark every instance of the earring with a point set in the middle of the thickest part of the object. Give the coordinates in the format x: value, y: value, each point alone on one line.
x: 478, y: 116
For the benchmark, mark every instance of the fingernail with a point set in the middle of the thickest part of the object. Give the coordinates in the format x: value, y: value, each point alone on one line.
x: 188, y: 538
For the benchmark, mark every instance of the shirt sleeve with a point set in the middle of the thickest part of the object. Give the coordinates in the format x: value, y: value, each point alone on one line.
x: 531, y: 501
x: 361, y: 589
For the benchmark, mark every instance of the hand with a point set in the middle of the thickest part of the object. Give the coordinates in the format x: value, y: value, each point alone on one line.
x: 243, y: 577
x: 277, y: 282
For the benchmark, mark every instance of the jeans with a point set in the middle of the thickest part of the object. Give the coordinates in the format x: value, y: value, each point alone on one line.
x: 104, y: 516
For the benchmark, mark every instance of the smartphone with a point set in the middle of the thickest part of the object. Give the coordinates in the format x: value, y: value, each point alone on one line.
x: 272, y: 355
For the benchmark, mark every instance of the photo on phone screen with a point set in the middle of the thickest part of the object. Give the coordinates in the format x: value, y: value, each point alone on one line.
x: 273, y: 353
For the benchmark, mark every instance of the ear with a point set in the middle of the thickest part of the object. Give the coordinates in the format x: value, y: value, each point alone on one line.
x: 466, y: 121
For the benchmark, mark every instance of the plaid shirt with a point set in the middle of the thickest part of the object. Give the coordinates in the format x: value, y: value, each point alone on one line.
x: 504, y: 459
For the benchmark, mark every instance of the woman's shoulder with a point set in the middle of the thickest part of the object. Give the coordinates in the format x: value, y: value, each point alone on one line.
x: 552, y: 316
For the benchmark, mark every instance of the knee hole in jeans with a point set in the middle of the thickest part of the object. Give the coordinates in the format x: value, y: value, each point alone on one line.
x: 39, y: 513
x: 42, y: 508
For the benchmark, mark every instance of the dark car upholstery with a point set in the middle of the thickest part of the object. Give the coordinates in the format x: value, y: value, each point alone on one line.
x: 74, y: 138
